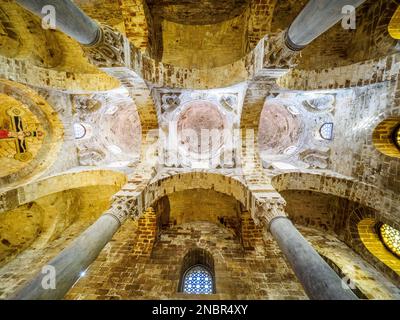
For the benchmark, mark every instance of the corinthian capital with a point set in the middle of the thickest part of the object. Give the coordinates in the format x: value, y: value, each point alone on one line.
x: 266, y: 211
x: 277, y: 53
x: 108, y: 50
x: 124, y: 207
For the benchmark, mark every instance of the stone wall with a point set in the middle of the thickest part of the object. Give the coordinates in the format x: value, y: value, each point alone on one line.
x: 134, y: 13
x: 33, y: 234
x: 358, y: 113
x: 118, y: 273
x: 260, y: 15
x: 239, y: 274
x: 251, y: 235
x: 203, y: 47
x: 106, y: 11
x: 384, y: 203
x: 371, y: 38
x: 44, y: 58
x: 310, y: 209
x: 341, y: 218
x: 146, y: 233
x: 367, y: 94
x: 355, y: 75
x: 340, y: 47
x: 357, y: 272
x: 201, y: 205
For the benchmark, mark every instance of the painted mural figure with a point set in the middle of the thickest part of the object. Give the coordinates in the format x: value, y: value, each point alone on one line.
x: 19, y: 135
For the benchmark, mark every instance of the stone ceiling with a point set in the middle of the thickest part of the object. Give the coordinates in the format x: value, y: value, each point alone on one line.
x: 289, y: 131
x: 205, y: 46
x: 197, y: 12
x: 205, y: 34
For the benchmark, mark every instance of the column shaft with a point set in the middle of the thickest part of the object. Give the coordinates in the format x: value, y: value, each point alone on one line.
x: 317, y: 17
x: 72, y: 261
x: 69, y: 19
x: 319, y: 281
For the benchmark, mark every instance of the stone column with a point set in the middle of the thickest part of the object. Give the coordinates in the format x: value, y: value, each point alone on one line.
x: 69, y: 19
x: 317, y: 17
x: 77, y: 257
x: 104, y: 46
x: 318, y: 279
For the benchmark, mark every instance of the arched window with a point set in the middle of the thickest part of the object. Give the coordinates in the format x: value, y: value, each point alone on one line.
x: 79, y: 131
x: 197, y: 275
x: 390, y: 238
x: 386, y: 137
x: 326, y: 131
x: 198, y: 280
x: 396, y: 137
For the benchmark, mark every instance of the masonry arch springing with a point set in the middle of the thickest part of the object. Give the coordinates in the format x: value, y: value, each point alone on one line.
x: 53, y: 209
x: 59, y: 183
x: 344, y: 187
x: 231, y: 186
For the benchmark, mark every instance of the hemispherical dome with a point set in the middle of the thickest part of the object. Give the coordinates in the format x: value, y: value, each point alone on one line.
x: 122, y: 128
x: 280, y: 130
x: 197, y: 119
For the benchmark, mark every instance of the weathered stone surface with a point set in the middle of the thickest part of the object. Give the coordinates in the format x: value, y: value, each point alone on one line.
x: 208, y: 64
x: 157, y: 276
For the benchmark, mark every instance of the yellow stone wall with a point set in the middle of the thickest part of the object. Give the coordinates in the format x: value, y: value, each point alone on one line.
x: 47, y: 58
x: 203, y: 47
x: 201, y: 205
x: 32, y: 234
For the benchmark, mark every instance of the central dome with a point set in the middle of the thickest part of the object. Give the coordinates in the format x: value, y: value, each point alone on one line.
x: 200, y: 117
x: 123, y: 128
x: 280, y: 129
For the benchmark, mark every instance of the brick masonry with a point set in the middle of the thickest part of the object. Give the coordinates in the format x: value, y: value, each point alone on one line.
x: 144, y: 260
x: 239, y: 274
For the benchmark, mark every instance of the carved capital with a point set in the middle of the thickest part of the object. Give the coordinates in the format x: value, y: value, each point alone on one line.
x: 124, y: 207
x: 266, y: 211
x: 108, y: 50
x: 277, y: 55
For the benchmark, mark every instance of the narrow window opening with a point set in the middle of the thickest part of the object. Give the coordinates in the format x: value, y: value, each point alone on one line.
x: 197, y: 275
x: 326, y: 131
